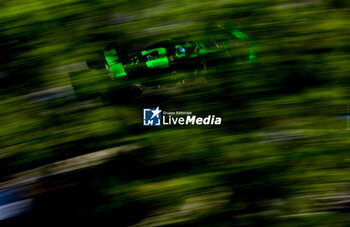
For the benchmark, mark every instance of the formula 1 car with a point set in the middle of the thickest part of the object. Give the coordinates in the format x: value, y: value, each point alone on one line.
x: 167, y: 61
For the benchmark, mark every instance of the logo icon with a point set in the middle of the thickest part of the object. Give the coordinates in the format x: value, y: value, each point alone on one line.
x: 151, y: 116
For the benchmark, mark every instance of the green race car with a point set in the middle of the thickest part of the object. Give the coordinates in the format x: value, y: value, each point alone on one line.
x: 168, y: 62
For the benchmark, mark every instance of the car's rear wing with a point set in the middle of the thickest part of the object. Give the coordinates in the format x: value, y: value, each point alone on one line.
x: 114, y: 63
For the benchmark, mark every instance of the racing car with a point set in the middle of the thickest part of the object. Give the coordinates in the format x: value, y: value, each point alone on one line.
x: 164, y: 63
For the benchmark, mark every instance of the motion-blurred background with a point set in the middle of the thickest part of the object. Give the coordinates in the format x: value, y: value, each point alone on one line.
x: 280, y: 157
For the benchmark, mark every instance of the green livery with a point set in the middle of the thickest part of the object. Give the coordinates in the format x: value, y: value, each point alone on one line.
x: 170, y: 54
x: 162, y: 64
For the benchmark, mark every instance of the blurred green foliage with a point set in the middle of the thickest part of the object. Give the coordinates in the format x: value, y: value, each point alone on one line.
x: 283, y: 143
